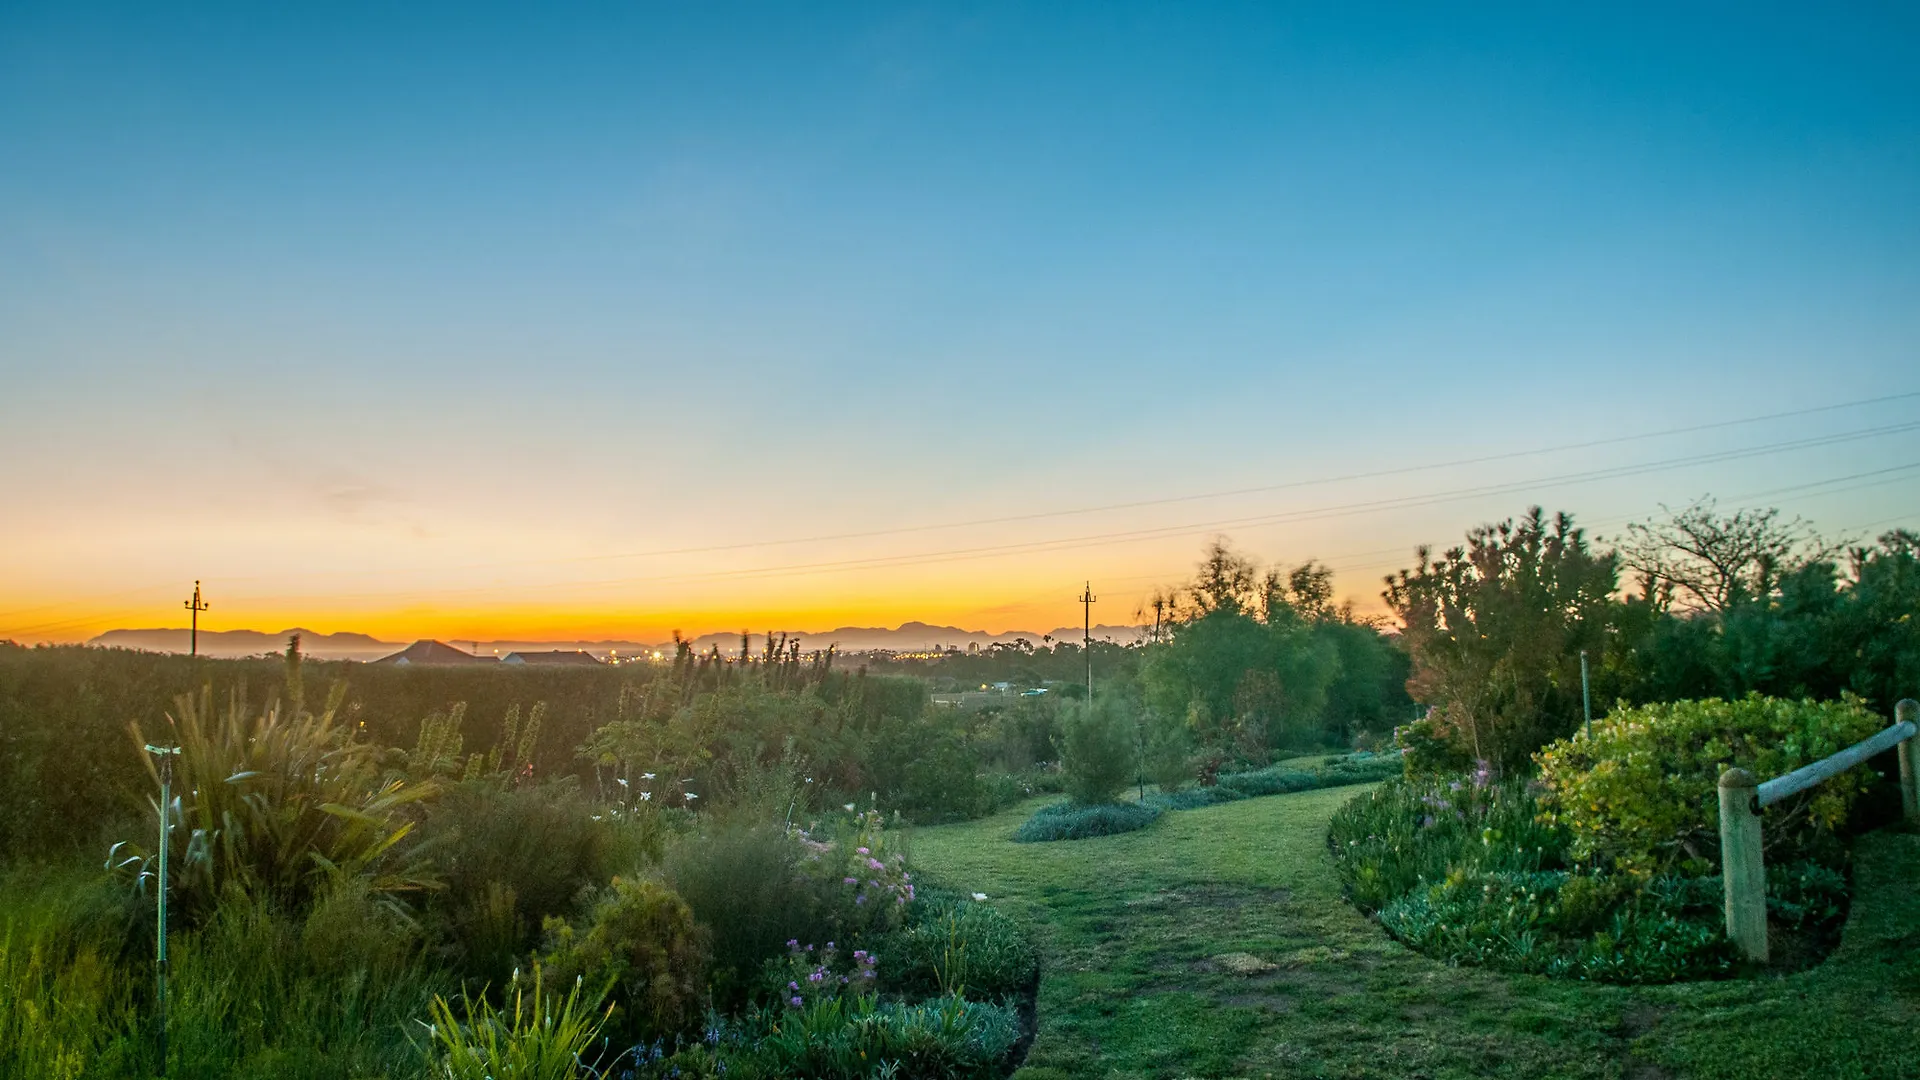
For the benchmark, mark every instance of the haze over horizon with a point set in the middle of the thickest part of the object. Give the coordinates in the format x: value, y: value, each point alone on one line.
x: 438, y: 323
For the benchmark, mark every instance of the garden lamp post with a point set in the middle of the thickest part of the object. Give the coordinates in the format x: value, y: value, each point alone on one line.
x: 166, y: 754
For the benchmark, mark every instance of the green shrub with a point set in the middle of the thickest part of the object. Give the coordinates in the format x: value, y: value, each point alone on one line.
x: 512, y: 857
x: 1806, y: 893
x: 1406, y: 833
x: 1096, y: 752
x: 1428, y: 751
x: 1640, y: 795
x: 1069, y: 821
x: 950, y: 943
x: 747, y: 885
x: 641, y: 945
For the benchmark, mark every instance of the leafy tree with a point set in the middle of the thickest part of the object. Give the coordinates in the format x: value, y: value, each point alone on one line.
x: 1703, y: 559
x: 1495, y: 629
x: 1096, y: 752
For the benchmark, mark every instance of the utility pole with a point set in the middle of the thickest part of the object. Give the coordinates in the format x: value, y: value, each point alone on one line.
x: 166, y: 754
x: 1086, y: 636
x: 195, y: 605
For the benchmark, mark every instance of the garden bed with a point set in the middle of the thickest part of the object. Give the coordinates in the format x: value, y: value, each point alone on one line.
x: 1067, y: 821
x: 1466, y: 870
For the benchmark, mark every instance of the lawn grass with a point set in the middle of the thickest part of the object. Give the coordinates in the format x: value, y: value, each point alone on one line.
x: 1215, y: 943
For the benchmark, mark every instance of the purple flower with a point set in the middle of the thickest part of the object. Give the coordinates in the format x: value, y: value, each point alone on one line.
x: 1427, y: 822
x: 862, y: 851
x: 860, y: 899
x: 813, y: 978
x: 793, y: 943
x: 850, y: 881
x: 795, y: 1001
x: 793, y: 986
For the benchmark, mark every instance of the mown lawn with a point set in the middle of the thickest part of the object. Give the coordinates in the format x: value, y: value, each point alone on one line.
x: 1215, y: 943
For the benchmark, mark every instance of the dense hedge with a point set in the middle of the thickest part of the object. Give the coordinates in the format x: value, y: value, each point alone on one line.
x: 1066, y: 821
x: 1639, y: 794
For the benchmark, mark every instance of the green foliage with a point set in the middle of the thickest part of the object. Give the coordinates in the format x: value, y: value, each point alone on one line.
x: 278, y: 805
x: 641, y: 943
x: 1096, y: 752
x: 1072, y: 821
x: 1258, y: 663
x: 1517, y: 922
x: 1468, y: 871
x: 1164, y: 754
x: 1406, y: 834
x: 260, y: 992
x: 1495, y: 630
x: 65, y: 1010
x: 538, y: 1036
x: 1429, y: 750
x: 755, y: 886
x: 1133, y: 929
x: 1358, y: 768
x: 950, y: 944
x: 512, y: 857
x: 1640, y: 794
x: 835, y: 1037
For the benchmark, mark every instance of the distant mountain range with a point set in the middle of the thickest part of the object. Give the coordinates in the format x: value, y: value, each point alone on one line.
x: 908, y: 637
x: 236, y: 643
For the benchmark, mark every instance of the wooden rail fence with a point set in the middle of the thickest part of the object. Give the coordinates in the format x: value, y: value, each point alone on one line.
x: 1742, y: 865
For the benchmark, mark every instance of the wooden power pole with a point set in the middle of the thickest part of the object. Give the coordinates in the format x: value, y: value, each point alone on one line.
x: 195, y: 605
x: 1086, y: 636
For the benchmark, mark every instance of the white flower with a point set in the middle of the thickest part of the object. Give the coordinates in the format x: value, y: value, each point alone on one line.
x: 646, y: 796
x: 979, y: 896
x: 646, y: 776
x: 621, y: 780
x: 691, y: 796
x: 849, y: 807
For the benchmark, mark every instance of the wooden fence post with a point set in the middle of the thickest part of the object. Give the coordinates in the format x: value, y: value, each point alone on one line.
x: 1908, y: 711
x: 1742, y: 866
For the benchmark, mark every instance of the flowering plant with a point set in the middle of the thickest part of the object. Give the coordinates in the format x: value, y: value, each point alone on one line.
x: 806, y: 973
x: 864, y: 879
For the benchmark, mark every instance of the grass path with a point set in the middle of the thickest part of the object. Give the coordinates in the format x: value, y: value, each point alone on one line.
x: 1215, y: 943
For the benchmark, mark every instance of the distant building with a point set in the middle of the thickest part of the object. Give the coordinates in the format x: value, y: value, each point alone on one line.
x: 432, y: 654
x: 552, y: 658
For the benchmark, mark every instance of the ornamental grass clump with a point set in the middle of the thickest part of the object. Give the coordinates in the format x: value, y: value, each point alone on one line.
x: 278, y: 803
x: 1639, y: 796
x: 537, y: 1036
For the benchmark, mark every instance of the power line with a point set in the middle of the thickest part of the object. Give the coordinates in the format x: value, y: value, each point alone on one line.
x: 1135, y: 504
x: 1286, y: 517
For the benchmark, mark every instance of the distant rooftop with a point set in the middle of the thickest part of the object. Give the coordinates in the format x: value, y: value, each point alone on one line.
x: 564, y: 657
x: 432, y: 653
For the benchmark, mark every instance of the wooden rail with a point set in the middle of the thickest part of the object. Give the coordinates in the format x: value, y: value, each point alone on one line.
x: 1743, y: 866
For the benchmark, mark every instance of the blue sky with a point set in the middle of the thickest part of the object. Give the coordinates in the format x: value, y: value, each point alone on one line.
x: 401, y: 319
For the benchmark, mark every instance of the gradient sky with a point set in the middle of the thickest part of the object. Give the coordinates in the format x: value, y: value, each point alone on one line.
x: 458, y: 321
